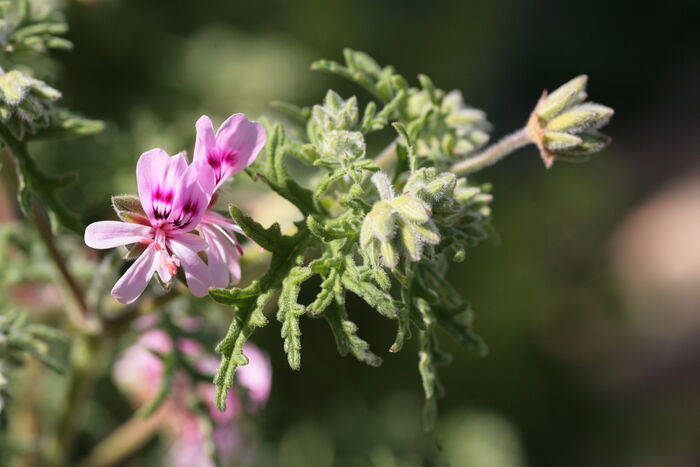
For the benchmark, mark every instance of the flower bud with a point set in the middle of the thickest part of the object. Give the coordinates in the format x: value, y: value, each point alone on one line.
x: 562, y: 126
x: 571, y: 93
x: 581, y: 117
x: 411, y: 208
x: 389, y: 255
x: 554, y: 140
x: 382, y: 219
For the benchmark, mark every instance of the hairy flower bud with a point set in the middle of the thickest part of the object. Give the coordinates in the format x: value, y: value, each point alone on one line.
x: 563, y: 126
x: 406, y: 214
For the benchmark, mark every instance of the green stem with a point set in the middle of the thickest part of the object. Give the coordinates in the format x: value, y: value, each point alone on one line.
x: 493, y: 153
x: 85, y: 357
x: 49, y: 242
x: 21, y: 157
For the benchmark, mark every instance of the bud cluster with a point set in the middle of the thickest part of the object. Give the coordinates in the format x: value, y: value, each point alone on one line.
x: 452, y: 129
x: 396, y: 223
x: 334, y: 125
x: 25, y: 102
x: 564, y: 126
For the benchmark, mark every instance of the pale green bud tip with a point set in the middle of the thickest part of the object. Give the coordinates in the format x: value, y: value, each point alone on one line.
x: 571, y: 93
x: 411, y: 242
x: 382, y: 218
x: 581, y: 117
x: 389, y: 255
x: 556, y: 141
x: 411, y: 208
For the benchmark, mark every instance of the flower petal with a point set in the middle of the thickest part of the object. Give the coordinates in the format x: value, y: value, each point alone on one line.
x: 218, y: 270
x: 191, y: 241
x: 239, y: 134
x: 134, y: 281
x: 190, y: 200
x: 205, y: 141
x: 196, y: 271
x: 110, y: 234
x: 156, y: 177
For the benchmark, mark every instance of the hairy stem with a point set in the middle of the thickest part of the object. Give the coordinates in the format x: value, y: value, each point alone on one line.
x: 493, y: 153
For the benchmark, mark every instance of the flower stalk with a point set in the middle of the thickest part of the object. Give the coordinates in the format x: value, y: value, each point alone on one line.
x: 493, y: 153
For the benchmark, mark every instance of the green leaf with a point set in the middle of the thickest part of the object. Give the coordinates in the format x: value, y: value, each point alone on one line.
x: 290, y: 311
x: 330, y: 287
x: 268, y: 238
x: 274, y: 173
x: 459, y: 326
x: 32, y: 180
x: 65, y: 124
x: 374, y: 296
x: 249, y: 303
x: 301, y: 114
x: 346, y: 338
x: 247, y: 317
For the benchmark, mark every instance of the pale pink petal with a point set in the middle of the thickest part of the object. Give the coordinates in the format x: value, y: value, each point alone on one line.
x: 213, y: 217
x: 189, y: 346
x: 245, y: 138
x: 190, y: 201
x: 196, y: 271
x: 138, y: 373
x: 156, y: 176
x: 189, y: 445
x: 110, y: 234
x: 256, y: 376
x: 231, y: 447
x: 205, y: 141
x: 134, y: 281
x: 156, y: 339
x: 216, y: 257
x: 162, y: 259
x: 191, y: 241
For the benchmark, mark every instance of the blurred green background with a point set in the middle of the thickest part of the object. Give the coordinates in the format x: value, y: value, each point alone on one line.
x: 590, y: 365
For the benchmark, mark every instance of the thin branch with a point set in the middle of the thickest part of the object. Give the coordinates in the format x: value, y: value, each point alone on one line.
x: 493, y: 153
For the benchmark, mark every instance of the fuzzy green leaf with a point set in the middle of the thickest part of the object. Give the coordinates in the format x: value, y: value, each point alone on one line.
x: 268, y: 238
x: 290, y: 311
x: 346, y: 338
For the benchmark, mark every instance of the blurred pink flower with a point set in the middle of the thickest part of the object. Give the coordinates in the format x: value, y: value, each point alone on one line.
x: 139, y: 373
x: 174, y: 197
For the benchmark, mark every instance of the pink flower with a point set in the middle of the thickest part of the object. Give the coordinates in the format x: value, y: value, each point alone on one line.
x: 233, y: 148
x: 138, y: 372
x: 174, y: 197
